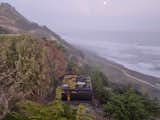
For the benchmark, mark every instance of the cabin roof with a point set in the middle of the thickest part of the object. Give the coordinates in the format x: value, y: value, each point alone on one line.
x: 73, y: 82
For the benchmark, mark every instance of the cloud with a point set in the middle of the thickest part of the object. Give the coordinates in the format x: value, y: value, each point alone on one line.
x: 92, y: 14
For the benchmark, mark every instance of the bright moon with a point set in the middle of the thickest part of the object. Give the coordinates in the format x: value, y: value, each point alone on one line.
x: 105, y: 2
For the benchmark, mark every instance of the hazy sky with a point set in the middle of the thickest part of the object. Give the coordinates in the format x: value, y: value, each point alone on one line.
x: 68, y: 15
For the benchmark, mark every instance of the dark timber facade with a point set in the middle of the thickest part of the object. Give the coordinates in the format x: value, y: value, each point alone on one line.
x: 77, y: 88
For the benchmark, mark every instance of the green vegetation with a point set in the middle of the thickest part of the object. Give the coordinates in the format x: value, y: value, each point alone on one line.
x: 73, y: 68
x: 130, y: 106
x: 29, y: 71
x: 61, y: 47
x: 29, y: 68
x: 24, y: 57
x: 57, y: 110
x: 100, y: 86
x: 82, y: 115
x: 123, y: 104
x: 3, y: 31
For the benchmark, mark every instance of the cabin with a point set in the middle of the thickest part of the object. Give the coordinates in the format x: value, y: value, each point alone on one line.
x: 76, y: 87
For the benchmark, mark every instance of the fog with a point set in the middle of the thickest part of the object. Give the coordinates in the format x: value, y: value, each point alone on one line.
x: 70, y: 15
x: 138, y: 51
x: 126, y: 31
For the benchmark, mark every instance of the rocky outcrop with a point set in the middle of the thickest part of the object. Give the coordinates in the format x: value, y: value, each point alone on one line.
x: 30, y: 64
x: 29, y: 69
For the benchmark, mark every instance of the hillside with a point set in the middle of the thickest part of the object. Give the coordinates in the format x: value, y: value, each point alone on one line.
x: 34, y: 60
x: 29, y: 68
x: 122, y: 76
x: 13, y: 22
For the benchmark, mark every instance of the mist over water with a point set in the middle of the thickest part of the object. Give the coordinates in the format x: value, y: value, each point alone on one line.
x: 138, y: 51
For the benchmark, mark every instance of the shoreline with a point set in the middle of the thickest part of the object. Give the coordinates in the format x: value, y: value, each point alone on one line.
x: 119, y: 74
x: 136, y: 69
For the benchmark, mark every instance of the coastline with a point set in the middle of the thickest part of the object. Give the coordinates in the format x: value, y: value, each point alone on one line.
x: 121, y: 75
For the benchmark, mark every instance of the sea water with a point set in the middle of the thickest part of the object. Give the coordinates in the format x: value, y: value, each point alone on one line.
x: 139, y: 51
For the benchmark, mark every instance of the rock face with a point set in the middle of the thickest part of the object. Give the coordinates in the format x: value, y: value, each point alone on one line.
x: 13, y: 22
x: 29, y: 69
x: 30, y: 64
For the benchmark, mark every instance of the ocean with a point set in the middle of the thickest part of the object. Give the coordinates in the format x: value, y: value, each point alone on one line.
x: 139, y: 51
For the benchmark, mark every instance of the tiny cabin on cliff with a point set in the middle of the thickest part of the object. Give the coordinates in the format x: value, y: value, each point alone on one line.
x: 77, y: 88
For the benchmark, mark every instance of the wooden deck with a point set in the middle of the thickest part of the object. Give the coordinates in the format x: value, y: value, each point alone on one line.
x: 77, y: 88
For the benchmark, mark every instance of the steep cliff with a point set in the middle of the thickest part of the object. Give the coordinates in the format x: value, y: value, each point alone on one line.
x: 29, y: 69
x: 32, y: 60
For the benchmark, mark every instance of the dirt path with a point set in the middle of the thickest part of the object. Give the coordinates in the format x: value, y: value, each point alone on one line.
x: 120, y: 75
x: 135, y: 78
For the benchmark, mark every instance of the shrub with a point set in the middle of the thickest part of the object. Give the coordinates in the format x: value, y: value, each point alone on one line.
x: 100, y: 83
x: 57, y: 110
x: 129, y: 106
